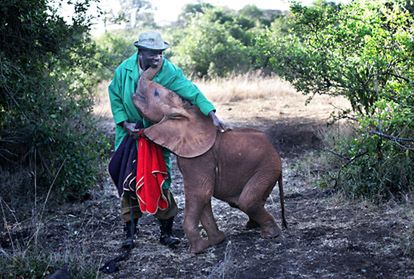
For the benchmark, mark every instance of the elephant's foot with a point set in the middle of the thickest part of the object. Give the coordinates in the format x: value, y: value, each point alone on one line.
x: 251, y: 224
x: 270, y: 231
x: 216, y: 238
x: 199, y: 246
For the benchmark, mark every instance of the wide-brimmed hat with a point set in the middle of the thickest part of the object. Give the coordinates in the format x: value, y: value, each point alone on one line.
x: 151, y: 40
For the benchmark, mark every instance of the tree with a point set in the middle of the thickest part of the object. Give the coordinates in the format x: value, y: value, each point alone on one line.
x: 363, y: 51
x: 208, y: 47
x: 137, y: 13
x: 191, y: 10
x: 46, y: 84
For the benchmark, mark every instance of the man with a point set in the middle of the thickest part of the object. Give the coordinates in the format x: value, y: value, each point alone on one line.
x: 128, y: 121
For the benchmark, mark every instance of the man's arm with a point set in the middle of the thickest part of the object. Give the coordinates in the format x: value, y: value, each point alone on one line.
x: 115, y: 97
x: 174, y: 79
x: 117, y: 105
x: 189, y: 91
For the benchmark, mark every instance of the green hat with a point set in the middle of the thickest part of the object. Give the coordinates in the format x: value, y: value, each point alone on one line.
x: 151, y: 40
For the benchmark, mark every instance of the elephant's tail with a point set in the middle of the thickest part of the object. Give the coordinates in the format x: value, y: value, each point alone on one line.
x: 282, y: 200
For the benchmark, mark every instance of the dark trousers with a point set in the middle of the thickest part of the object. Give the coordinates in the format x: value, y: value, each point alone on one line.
x: 128, y: 204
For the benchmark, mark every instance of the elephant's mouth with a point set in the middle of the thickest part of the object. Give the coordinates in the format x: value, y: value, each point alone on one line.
x: 140, y: 101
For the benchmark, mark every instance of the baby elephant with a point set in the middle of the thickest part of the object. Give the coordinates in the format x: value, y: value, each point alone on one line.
x: 239, y: 166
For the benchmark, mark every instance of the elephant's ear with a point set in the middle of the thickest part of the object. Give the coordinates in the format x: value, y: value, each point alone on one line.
x: 187, y: 136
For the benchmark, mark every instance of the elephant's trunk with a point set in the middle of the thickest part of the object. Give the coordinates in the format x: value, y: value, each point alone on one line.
x: 150, y: 73
x: 144, y: 80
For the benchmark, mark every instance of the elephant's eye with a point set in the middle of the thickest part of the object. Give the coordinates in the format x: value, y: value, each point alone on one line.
x: 156, y: 93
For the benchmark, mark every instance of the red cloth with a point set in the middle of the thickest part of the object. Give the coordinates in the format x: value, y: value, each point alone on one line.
x: 151, y: 175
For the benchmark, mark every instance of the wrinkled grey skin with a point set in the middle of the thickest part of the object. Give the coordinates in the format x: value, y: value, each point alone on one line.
x: 240, y: 166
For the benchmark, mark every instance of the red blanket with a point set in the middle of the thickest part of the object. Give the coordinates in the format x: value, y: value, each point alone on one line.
x: 151, y: 174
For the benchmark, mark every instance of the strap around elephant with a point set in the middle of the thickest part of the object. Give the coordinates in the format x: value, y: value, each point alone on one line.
x: 215, y: 149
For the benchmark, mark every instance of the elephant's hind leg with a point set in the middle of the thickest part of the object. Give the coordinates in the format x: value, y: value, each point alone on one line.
x: 268, y: 226
x: 252, y: 201
x: 215, y: 236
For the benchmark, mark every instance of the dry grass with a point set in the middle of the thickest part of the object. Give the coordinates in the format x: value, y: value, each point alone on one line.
x: 220, y: 90
x: 243, y: 99
x: 247, y: 86
x: 255, y: 96
x: 25, y: 231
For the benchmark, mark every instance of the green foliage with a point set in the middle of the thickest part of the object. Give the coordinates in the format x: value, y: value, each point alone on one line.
x: 258, y: 16
x: 191, y: 10
x: 206, y: 41
x: 113, y: 48
x: 366, y: 173
x: 39, y: 264
x: 363, y: 51
x: 136, y: 14
x: 47, y: 83
x: 215, y: 43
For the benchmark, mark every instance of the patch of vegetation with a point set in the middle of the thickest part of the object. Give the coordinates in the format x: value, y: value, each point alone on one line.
x: 363, y: 51
x: 40, y: 264
x: 50, y: 146
x: 47, y: 81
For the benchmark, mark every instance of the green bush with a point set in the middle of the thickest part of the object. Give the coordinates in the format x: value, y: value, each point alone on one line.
x: 40, y: 264
x: 208, y: 48
x: 206, y: 41
x: 361, y: 173
x: 218, y: 42
x: 113, y: 48
x: 363, y: 51
x: 47, y: 82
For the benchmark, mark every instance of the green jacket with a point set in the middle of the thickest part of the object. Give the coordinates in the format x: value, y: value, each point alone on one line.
x: 124, y: 83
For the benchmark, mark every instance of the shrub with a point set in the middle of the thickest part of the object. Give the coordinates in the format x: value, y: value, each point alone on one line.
x: 41, y: 264
x: 113, y: 48
x: 47, y: 81
x: 363, y: 51
x: 358, y: 174
x: 214, y: 43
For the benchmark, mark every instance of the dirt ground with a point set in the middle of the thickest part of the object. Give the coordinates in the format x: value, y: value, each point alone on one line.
x: 328, y: 236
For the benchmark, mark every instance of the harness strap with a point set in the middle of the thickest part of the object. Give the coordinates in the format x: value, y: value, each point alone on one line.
x: 216, y: 148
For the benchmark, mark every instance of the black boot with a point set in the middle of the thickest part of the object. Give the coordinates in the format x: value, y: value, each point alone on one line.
x: 167, y: 238
x: 130, y: 230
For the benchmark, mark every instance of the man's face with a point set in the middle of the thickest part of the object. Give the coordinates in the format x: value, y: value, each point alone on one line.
x: 149, y: 58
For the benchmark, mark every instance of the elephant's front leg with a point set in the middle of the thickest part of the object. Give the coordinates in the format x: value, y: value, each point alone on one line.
x: 215, y: 236
x: 199, y: 178
x: 194, y: 206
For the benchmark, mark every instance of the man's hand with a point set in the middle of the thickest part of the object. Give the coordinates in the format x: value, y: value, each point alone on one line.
x: 216, y: 121
x: 130, y: 128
